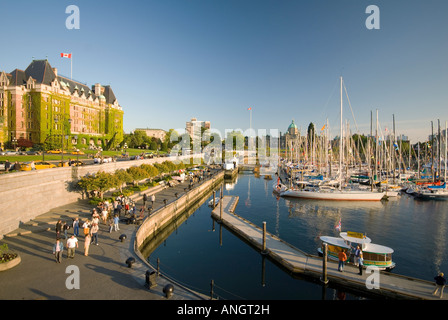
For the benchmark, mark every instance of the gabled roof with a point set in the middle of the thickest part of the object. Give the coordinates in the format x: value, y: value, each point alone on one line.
x: 74, y: 85
x: 17, y: 77
x: 109, y: 95
x: 42, y: 71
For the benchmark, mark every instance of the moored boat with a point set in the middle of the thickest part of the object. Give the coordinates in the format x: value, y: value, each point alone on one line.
x: 373, y: 254
x: 335, y: 194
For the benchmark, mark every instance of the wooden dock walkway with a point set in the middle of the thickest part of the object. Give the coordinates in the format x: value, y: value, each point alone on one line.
x: 392, y: 286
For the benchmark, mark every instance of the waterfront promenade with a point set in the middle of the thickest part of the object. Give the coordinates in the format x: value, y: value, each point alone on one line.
x: 103, y: 274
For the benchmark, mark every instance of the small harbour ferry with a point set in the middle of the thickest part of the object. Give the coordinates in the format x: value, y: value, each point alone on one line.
x: 373, y: 254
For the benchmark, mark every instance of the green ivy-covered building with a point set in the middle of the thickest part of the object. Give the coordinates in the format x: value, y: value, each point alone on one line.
x: 39, y: 106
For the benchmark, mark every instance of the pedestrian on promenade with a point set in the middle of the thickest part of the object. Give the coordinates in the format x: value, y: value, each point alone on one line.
x: 87, y: 244
x: 72, y: 244
x: 111, y: 224
x: 86, y: 227
x: 104, y: 215
x: 58, y: 229
x: 153, y: 199
x: 116, y: 221
x: 145, y: 198
x: 65, y: 226
x: 360, y: 262
x: 342, y: 258
x: 94, y: 233
x: 76, y: 227
x: 7, y: 165
x: 440, y: 284
x: 58, y: 248
x: 95, y: 218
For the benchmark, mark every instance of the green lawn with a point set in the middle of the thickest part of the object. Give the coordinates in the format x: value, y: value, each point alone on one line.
x: 56, y: 157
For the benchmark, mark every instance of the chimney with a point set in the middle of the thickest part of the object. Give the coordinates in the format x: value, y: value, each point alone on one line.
x: 55, y: 70
x: 97, y: 89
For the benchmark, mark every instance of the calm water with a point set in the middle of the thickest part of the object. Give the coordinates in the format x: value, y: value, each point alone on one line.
x: 200, y: 250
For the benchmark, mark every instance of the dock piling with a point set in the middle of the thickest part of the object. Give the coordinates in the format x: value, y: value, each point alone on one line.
x: 263, y: 250
x: 324, y: 278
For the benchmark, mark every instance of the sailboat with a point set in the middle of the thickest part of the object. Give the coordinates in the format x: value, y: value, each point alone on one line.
x: 435, y: 191
x: 331, y: 193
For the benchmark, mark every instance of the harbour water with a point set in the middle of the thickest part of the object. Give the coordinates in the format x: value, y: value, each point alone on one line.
x: 200, y: 250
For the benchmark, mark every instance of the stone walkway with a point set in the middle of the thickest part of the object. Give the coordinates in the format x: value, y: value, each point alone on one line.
x: 103, y: 274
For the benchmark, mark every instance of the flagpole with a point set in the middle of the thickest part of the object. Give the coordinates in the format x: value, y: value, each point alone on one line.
x: 71, y: 66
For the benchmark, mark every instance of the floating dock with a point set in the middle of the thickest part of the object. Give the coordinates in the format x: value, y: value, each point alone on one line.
x: 385, y: 285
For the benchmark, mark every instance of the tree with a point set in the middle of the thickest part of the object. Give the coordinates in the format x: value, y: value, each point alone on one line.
x: 100, y: 182
x: 151, y: 171
x: 137, y: 174
x: 122, y: 177
x: 105, y: 181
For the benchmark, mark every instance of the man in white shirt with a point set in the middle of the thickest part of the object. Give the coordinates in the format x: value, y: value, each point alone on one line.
x: 72, y: 244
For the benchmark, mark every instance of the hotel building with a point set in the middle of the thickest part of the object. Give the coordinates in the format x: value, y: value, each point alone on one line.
x: 43, y: 107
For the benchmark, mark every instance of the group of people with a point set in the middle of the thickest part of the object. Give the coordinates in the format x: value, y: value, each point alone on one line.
x: 358, y: 259
x: 440, y: 280
x: 11, y: 166
x: 90, y: 228
x: 108, y: 213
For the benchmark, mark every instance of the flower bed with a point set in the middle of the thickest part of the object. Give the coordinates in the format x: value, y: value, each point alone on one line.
x: 8, y: 259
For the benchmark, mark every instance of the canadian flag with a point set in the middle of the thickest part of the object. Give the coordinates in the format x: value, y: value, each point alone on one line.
x: 249, y: 108
x: 66, y: 55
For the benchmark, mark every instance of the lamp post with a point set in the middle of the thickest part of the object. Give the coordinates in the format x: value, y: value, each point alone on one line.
x: 77, y: 151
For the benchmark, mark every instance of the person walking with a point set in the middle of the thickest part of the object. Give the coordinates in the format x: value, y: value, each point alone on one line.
x: 58, y: 228
x: 76, y: 227
x: 153, y: 199
x: 111, y: 225
x: 65, y: 226
x: 7, y: 165
x: 342, y: 258
x: 440, y: 284
x: 72, y: 244
x: 86, y: 227
x: 360, y: 262
x: 58, y: 248
x: 145, y: 198
x: 87, y: 244
x: 94, y: 233
x: 116, y: 221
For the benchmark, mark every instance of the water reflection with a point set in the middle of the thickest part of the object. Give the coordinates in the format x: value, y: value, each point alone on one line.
x: 416, y: 230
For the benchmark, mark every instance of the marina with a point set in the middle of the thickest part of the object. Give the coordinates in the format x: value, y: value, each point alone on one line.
x: 300, y: 223
x: 296, y: 261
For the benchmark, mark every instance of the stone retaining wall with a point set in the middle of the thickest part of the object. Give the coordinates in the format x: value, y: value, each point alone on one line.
x: 25, y: 195
x: 163, y: 216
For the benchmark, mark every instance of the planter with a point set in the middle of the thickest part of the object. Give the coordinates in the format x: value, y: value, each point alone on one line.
x: 10, y: 264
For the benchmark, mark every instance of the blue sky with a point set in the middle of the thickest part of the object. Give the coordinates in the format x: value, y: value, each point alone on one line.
x: 170, y: 60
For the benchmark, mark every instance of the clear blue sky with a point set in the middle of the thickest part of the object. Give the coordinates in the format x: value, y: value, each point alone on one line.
x: 170, y: 60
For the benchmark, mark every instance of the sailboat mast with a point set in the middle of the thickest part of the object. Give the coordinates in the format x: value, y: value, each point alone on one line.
x: 340, y: 146
x: 376, y: 147
x: 446, y: 145
x: 393, y: 149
